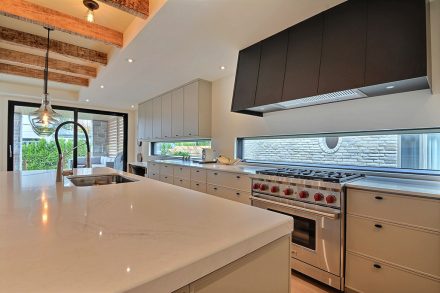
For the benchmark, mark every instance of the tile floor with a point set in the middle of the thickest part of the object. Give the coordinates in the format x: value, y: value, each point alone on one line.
x: 303, y: 284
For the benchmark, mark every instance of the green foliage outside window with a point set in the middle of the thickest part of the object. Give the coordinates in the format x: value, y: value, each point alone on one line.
x: 43, y: 155
x: 172, y: 148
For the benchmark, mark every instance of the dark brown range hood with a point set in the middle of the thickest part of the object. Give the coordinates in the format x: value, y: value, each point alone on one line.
x: 358, y: 49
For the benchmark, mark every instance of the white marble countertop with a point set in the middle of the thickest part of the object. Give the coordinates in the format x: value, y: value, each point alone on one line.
x: 413, y: 187
x: 146, y: 235
x: 238, y: 168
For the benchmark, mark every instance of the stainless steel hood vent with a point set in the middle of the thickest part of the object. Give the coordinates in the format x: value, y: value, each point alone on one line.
x: 364, y: 92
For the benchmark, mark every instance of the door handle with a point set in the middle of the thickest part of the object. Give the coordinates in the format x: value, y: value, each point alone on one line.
x: 10, y: 151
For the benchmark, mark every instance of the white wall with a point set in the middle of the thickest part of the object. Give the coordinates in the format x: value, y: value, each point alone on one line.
x: 4, y: 124
x: 418, y: 109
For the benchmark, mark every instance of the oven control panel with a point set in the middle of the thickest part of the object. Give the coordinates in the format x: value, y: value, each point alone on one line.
x: 310, y: 194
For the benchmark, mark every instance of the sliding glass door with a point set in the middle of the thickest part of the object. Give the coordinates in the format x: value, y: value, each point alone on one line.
x: 28, y: 151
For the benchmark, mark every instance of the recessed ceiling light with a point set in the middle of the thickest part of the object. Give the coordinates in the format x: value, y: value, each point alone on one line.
x: 102, y: 86
x: 390, y: 87
x: 129, y: 60
x: 222, y: 68
x: 87, y: 100
x: 132, y: 106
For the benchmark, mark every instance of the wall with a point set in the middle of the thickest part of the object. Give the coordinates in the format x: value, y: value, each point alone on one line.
x: 418, y: 109
x: 4, y: 124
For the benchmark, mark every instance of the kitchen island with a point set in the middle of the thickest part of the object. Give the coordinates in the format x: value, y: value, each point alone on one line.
x: 144, y: 236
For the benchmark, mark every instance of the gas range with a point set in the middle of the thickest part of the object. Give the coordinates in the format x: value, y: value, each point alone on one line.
x: 320, y: 187
x: 315, y: 201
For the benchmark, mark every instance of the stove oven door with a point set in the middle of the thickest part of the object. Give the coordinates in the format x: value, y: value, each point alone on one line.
x: 316, y: 239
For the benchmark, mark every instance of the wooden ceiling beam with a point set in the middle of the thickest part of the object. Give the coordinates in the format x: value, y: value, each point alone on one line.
x: 38, y: 62
x: 15, y: 37
x: 138, y: 8
x: 39, y: 74
x: 33, y: 13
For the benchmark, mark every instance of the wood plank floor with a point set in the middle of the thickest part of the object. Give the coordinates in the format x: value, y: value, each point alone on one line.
x: 304, y: 284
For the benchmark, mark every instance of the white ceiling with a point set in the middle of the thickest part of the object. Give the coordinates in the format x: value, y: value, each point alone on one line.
x: 189, y: 39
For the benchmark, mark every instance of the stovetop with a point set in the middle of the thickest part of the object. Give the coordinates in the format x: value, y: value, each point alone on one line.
x: 323, y: 175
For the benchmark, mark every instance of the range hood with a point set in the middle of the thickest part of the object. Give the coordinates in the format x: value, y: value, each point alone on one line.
x: 352, y: 94
x: 355, y: 50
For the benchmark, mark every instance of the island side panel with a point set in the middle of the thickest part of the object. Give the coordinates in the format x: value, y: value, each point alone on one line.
x: 264, y: 270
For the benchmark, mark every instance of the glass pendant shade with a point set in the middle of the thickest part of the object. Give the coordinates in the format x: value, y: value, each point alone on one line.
x: 90, y: 17
x: 44, y: 120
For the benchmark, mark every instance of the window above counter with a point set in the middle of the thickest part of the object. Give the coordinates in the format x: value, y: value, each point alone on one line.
x: 403, y: 151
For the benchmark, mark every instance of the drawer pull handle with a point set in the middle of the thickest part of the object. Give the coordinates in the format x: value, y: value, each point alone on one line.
x: 237, y: 193
x: 378, y: 197
x: 215, y: 188
x: 377, y: 266
x: 197, y: 171
x: 378, y: 226
x: 197, y: 184
x: 215, y: 173
x: 238, y: 177
x: 180, y: 180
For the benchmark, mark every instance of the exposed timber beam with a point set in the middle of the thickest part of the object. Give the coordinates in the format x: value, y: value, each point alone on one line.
x: 39, y: 74
x: 38, y: 62
x: 138, y: 8
x: 33, y: 13
x: 15, y: 37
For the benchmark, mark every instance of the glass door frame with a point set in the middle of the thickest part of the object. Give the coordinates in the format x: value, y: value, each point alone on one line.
x: 76, y: 111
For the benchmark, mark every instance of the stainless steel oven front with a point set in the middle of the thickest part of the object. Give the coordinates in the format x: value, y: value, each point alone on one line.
x: 316, y: 238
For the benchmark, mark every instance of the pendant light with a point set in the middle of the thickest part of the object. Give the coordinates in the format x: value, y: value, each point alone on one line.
x: 45, y: 120
x: 91, y: 6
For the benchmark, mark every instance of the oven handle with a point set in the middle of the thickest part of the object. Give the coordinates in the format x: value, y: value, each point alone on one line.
x: 333, y: 216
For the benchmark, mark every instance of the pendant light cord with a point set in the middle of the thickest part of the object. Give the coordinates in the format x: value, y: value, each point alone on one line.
x: 46, y: 68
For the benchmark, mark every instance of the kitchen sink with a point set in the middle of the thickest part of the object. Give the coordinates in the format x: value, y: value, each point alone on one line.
x: 94, y: 180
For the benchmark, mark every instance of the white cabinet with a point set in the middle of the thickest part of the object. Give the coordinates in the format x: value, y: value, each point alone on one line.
x: 392, y: 242
x: 177, y: 113
x: 141, y: 121
x: 157, y: 118
x: 166, y: 115
x: 148, y: 113
x: 191, y: 105
x: 197, y: 109
x: 183, y: 112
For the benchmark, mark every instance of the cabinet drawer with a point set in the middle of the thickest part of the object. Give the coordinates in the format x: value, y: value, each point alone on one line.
x: 182, y: 172
x: 363, y: 276
x: 230, y: 180
x: 153, y: 175
x: 198, y: 186
x: 167, y: 179
x: 182, y: 182
x: 153, y: 167
x: 198, y: 175
x: 228, y: 193
x: 403, y: 209
x: 407, y: 247
x: 166, y: 170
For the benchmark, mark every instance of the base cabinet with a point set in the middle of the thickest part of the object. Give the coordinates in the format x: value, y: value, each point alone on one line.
x: 367, y: 275
x: 392, y: 243
x: 265, y: 270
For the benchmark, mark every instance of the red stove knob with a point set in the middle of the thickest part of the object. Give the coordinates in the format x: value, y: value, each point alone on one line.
x: 256, y: 186
x: 303, y: 194
x: 318, y: 196
x: 288, y: 191
x: 263, y: 187
x: 330, y: 199
x: 274, y: 189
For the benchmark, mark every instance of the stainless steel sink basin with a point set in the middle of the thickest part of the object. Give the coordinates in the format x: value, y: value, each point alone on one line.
x: 94, y: 180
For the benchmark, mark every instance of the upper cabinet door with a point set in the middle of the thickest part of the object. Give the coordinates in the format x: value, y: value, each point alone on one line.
x: 272, y: 69
x: 148, y: 134
x: 246, y: 78
x: 157, y: 118
x: 191, y: 109
x: 141, y: 121
x: 166, y: 115
x: 396, y: 40
x: 177, y: 113
x: 303, y: 59
x: 343, y: 50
